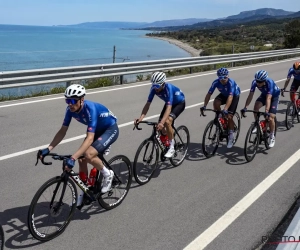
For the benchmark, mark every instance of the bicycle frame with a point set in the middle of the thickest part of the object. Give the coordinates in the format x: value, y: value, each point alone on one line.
x: 293, y: 92
x: 155, y: 134
x: 217, y: 119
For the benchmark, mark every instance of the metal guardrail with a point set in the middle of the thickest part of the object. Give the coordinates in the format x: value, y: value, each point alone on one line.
x: 20, y: 78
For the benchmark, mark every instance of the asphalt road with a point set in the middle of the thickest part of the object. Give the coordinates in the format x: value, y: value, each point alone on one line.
x: 178, y: 204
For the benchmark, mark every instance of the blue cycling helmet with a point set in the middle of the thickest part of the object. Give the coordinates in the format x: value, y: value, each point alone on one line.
x: 222, y: 72
x: 261, y: 75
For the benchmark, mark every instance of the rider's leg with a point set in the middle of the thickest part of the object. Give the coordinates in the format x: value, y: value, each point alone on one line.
x: 273, y: 111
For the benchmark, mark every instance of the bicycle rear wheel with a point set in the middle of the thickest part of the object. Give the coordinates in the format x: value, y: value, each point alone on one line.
x: 251, y: 142
x: 121, y: 166
x: 1, y: 238
x: 145, y: 161
x: 43, y: 211
x: 213, y: 132
x: 290, y: 115
x: 180, y: 146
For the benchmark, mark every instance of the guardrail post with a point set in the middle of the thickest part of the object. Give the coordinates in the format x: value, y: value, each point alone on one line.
x: 191, y: 70
x: 121, y: 79
x: 215, y: 66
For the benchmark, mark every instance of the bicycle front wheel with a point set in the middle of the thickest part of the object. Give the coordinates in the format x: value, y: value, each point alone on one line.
x: 121, y: 166
x: 290, y: 115
x: 1, y: 238
x: 182, y: 141
x: 145, y: 161
x: 212, y: 132
x: 251, y: 142
x: 237, y: 126
x: 47, y: 217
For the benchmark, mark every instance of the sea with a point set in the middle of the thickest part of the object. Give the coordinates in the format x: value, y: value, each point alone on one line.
x: 36, y: 47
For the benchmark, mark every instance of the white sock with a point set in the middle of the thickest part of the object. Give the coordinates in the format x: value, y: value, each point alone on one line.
x: 172, y: 142
x: 105, y: 172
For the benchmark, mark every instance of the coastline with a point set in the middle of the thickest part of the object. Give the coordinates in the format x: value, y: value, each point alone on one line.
x: 192, y: 51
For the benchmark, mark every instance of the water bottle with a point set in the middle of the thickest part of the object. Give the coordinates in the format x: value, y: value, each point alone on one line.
x: 92, y: 177
x: 165, y: 140
x: 83, y: 177
x: 298, y: 103
x: 223, y: 123
x: 263, y: 125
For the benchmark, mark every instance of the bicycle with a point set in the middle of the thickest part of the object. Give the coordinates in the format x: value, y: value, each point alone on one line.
x: 261, y: 130
x: 143, y: 174
x: 292, y: 111
x: 63, y: 186
x: 220, y: 132
x: 1, y: 238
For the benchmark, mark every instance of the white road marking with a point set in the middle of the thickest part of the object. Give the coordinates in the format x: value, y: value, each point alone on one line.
x: 231, y: 215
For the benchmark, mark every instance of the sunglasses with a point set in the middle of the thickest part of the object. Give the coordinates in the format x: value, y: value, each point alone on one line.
x: 71, y: 101
x: 260, y: 82
x: 223, y: 77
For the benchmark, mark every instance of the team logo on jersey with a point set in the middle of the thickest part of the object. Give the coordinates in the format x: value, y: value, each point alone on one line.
x: 90, y: 129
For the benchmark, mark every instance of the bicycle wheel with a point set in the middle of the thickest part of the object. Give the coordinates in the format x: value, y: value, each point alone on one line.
x: 121, y: 166
x: 266, y: 134
x: 290, y: 115
x: 237, y: 126
x: 1, y: 238
x: 43, y: 211
x: 251, y: 142
x: 180, y: 146
x: 213, y: 132
x: 145, y: 161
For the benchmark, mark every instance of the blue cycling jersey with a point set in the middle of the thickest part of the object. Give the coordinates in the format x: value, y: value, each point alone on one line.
x: 96, y: 116
x: 270, y: 87
x: 170, y: 94
x: 230, y: 88
x: 293, y: 73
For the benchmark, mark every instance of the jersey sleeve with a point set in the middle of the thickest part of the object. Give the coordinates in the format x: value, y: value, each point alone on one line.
x: 253, y: 86
x: 151, y: 95
x: 170, y: 95
x: 68, y: 118
x: 290, y: 73
x: 93, y: 119
x: 212, y: 88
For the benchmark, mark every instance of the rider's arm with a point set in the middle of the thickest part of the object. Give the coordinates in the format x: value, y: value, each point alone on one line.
x: 166, y: 114
x: 58, y: 137
x: 288, y: 78
x: 84, y: 146
x: 228, y: 102
x: 268, y: 102
x: 145, y: 110
x: 206, y: 100
x: 249, y: 99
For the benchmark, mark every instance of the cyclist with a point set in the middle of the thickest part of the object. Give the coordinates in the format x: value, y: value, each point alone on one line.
x: 174, y: 105
x: 230, y: 95
x: 295, y: 72
x: 269, y: 97
x: 102, y: 131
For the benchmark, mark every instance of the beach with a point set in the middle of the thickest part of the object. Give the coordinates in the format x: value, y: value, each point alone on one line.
x: 192, y: 51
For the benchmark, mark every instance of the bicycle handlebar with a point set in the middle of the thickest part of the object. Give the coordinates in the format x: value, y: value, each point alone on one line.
x: 147, y: 122
x: 216, y: 111
x: 54, y: 156
x: 253, y: 111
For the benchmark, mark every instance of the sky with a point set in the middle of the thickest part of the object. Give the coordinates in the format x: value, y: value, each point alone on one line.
x: 56, y: 12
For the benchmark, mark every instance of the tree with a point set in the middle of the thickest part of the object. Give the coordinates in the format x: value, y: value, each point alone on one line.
x: 292, y: 34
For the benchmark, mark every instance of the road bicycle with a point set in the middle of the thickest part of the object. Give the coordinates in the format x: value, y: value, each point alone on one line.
x: 292, y: 111
x: 258, y: 133
x: 145, y: 166
x: 1, y: 238
x: 217, y: 130
x: 49, y: 217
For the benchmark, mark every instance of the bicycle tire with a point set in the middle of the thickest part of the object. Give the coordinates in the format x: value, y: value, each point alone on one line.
x: 178, y: 146
x: 287, y: 114
x: 30, y: 218
x: 136, y: 172
x: 249, y: 133
x: 266, y: 134
x: 115, y: 184
x: 2, y: 239
x: 218, y: 131
x: 238, y: 128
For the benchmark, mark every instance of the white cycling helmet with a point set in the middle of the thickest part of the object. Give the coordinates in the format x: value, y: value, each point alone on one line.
x: 75, y: 90
x: 158, y: 78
